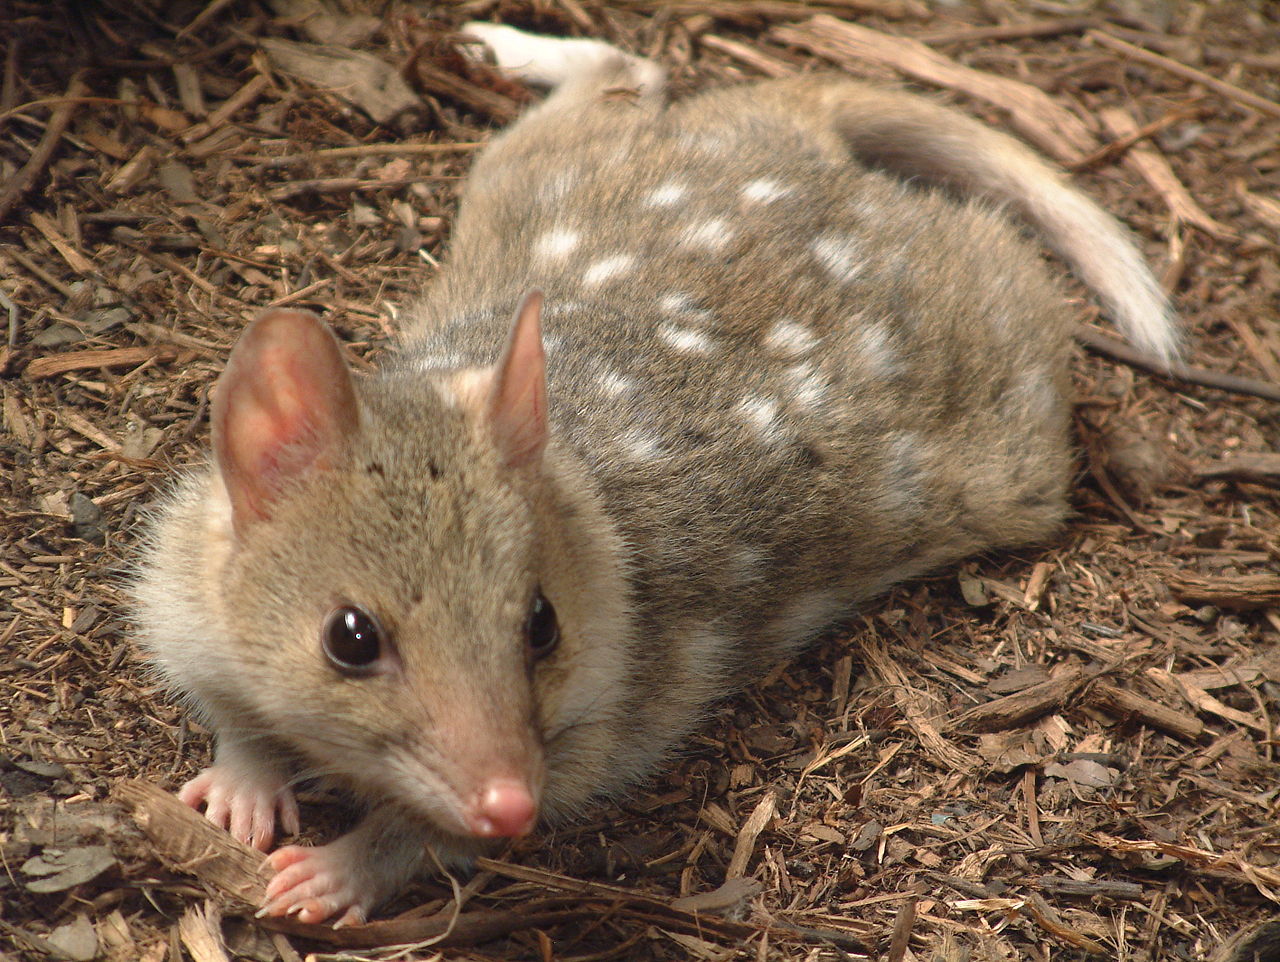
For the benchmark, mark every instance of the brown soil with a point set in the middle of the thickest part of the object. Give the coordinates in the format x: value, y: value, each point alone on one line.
x: 1065, y: 752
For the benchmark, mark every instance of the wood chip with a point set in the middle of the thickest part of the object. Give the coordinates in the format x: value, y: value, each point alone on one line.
x: 188, y: 843
x: 200, y: 929
x: 75, y: 260
x: 745, y: 845
x: 1155, y: 170
x: 1012, y: 711
x: 21, y: 182
x: 732, y: 895
x: 1259, y: 467
x: 1203, y: 701
x: 1130, y: 705
x: 246, y: 95
x: 1235, y: 591
x: 92, y: 360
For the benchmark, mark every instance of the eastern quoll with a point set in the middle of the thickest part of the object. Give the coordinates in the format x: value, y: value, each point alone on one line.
x: 774, y: 348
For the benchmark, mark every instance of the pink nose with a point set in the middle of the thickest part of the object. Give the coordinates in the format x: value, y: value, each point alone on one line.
x: 505, y: 809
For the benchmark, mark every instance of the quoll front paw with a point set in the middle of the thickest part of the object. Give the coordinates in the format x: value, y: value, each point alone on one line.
x: 315, y: 884
x: 244, y: 805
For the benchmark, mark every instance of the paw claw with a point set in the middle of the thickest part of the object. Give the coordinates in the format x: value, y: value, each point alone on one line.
x: 353, y: 917
x: 289, y: 818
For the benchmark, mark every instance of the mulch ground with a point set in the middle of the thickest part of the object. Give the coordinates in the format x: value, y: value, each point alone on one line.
x: 1065, y: 752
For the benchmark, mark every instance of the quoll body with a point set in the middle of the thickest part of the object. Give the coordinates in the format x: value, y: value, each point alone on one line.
x: 774, y: 349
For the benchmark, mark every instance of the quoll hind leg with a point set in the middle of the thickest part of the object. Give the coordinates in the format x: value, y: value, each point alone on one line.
x: 572, y: 65
x: 597, y: 91
x: 347, y: 878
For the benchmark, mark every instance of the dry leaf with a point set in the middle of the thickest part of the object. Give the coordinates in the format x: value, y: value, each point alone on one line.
x: 361, y: 79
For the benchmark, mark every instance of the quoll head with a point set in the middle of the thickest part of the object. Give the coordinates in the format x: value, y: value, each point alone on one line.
x: 383, y: 543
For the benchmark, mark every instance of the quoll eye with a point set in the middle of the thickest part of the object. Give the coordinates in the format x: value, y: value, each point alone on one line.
x: 352, y: 640
x: 541, y: 629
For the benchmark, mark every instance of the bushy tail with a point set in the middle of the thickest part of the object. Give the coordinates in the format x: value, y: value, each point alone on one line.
x: 914, y: 137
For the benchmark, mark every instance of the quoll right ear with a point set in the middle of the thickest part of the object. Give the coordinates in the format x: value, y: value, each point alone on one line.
x: 285, y: 406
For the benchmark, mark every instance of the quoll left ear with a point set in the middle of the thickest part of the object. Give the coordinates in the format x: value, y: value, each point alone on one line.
x: 517, y: 409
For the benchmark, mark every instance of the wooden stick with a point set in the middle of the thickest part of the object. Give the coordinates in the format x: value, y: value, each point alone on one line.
x: 1142, y: 55
x: 53, y: 131
x: 1021, y: 708
x: 337, y: 185
x: 1010, y: 31
x: 1120, y: 145
x: 900, y: 940
x: 362, y: 150
x: 1155, y: 170
x: 204, y: 16
x: 1129, y: 704
x: 93, y: 360
x: 1117, y: 350
x: 748, y: 54
x: 61, y: 100
x: 1235, y: 591
x: 438, y: 80
x: 742, y: 10
x: 9, y: 86
x: 1256, y: 467
x: 251, y: 91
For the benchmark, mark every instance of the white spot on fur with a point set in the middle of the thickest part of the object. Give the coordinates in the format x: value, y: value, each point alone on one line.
x: 684, y: 340
x: 556, y: 244
x: 839, y: 255
x: 713, y: 234
x: 867, y: 210
x: 666, y: 194
x: 608, y: 269
x: 614, y: 384
x: 466, y: 388
x: 809, y: 386
x: 761, y: 415
x: 763, y: 191
x: 874, y: 346
x: 805, y: 615
x: 789, y: 338
x: 641, y: 444
x: 906, y: 455
x: 684, y: 306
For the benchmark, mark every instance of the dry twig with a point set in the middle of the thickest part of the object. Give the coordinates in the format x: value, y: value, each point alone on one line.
x: 1221, y: 87
x: 53, y: 131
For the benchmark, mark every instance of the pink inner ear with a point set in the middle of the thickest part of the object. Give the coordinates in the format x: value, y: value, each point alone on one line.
x: 285, y: 405
x: 518, y: 404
